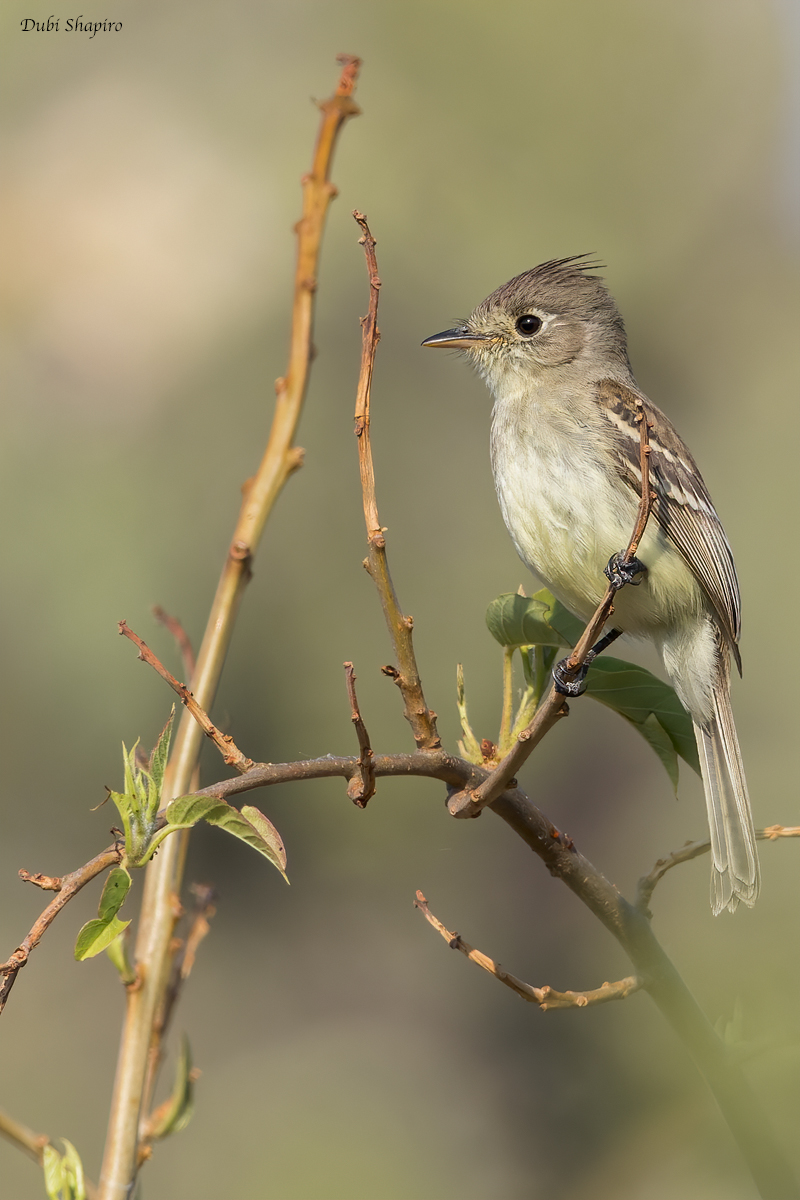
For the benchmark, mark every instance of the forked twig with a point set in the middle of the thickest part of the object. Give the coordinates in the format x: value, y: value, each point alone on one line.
x: 546, y: 997
x: 68, y: 886
x: 470, y: 804
x: 231, y: 754
x: 361, y: 787
x: 419, y: 716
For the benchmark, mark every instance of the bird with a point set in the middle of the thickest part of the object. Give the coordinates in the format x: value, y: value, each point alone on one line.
x: 565, y: 445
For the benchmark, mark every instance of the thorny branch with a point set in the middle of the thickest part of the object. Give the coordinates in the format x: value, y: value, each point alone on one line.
x: 546, y: 997
x: 554, y: 707
x: 361, y: 787
x: 406, y: 675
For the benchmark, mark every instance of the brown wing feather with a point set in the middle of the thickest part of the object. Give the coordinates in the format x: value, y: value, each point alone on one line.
x: 683, y: 507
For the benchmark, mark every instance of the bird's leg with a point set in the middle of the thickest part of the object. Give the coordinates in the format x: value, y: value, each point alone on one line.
x: 603, y: 644
x: 568, y: 685
x: 618, y: 572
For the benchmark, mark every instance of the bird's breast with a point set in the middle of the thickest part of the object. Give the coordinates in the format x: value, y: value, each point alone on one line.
x: 568, y: 510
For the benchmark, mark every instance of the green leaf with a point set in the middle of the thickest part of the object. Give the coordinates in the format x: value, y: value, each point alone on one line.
x: 117, y: 952
x: 272, y: 843
x: 114, y: 893
x: 53, y: 1173
x: 654, y: 732
x: 96, y: 936
x: 249, y: 825
x: 515, y: 620
x: 158, y: 759
x: 252, y: 827
x: 561, y: 619
x: 129, y: 769
x: 73, y: 1172
x: 636, y: 694
x: 186, y: 811
x: 649, y: 703
x: 125, y: 804
x: 175, y: 1114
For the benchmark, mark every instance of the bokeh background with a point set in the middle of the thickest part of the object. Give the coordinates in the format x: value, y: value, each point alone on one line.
x: 151, y: 184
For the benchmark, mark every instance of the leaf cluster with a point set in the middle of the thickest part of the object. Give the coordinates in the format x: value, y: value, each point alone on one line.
x: 538, y: 625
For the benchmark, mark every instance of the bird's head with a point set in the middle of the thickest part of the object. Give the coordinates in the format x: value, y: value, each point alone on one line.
x: 557, y: 313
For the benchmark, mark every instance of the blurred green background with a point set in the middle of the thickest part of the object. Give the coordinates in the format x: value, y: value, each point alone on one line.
x: 152, y: 180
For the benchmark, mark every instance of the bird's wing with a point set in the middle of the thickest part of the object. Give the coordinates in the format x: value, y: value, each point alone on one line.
x: 682, y: 507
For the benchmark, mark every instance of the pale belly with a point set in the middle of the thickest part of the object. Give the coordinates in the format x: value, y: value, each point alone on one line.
x: 567, y: 515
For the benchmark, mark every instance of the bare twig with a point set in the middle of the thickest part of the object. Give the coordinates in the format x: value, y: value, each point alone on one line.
x: 647, y: 883
x: 231, y: 754
x: 624, y: 921
x: 24, y: 1138
x: 554, y: 706
x: 362, y: 783
x: 281, y: 459
x: 419, y: 716
x: 68, y: 886
x: 184, y: 951
x: 48, y: 883
x: 546, y: 997
x: 181, y: 637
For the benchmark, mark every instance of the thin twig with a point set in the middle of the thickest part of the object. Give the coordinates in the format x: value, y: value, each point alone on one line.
x: 361, y: 787
x: 419, y: 716
x: 184, y: 951
x: 25, y: 1139
x: 231, y: 754
x: 554, y: 707
x: 546, y: 997
x: 68, y: 886
x: 281, y: 459
x: 33, y: 1144
x: 48, y: 883
x: 647, y: 883
x: 181, y: 638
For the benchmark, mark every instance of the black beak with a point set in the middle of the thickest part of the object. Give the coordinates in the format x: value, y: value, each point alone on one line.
x: 458, y: 339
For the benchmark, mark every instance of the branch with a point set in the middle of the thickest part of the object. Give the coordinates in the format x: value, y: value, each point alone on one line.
x: 66, y: 887
x: 546, y: 997
x: 554, y: 707
x: 624, y: 921
x: 419, y: 716
x: 362, y: 782
x: 691, y: 850
x: 230, y: 752
x: 34, y: 1145
x: 25, y: 1139
x: 281, y: 459
x: 184, y: 952
x: 181, y: 637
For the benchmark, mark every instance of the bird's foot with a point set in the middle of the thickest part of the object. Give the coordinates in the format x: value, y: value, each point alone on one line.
x: 618, y: 572
x: 570, y: 683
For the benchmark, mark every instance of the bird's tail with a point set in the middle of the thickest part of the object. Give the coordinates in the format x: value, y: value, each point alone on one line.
x: 735, y: 873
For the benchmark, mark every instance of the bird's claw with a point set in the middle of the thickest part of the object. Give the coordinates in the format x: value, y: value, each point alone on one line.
x: 618, y: 572
x: 566, y: 682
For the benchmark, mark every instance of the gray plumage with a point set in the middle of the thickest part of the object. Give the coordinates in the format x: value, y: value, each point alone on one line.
x: 552, y: 348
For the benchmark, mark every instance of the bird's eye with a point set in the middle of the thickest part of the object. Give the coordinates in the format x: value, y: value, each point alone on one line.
x: 529, y: 325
